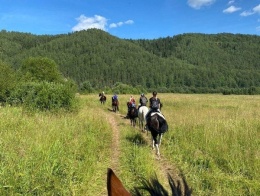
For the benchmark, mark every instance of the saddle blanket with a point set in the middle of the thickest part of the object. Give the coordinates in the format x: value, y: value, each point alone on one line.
x: 160, y: 114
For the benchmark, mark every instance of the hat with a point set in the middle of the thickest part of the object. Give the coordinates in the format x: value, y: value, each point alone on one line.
x: 142, y: 94
x: 154, y: 93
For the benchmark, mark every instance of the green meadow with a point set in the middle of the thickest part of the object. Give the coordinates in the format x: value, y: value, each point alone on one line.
x: 214, y: 140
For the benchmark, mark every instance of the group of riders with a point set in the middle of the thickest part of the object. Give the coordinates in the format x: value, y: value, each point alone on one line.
x: 154, y: 103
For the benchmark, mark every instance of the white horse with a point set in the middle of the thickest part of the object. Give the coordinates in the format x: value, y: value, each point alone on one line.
x: 142, y: 111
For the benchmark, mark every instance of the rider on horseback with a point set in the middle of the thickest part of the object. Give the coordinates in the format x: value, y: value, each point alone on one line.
x: 130, y: 104
x: 115, y: 97
x: 143, y: 101
x: 155, y: 105
x: 101, y: 94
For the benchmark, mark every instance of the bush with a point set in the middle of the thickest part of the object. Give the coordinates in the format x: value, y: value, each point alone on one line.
x: 37, y: 69
x: 45, y: 96
x: 7, y: 81
x: 86, y: 87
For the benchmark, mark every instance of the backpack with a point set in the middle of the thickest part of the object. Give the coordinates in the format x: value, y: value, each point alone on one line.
x: 114, y: 97
x: 143, y: 101
x: 155, y: 104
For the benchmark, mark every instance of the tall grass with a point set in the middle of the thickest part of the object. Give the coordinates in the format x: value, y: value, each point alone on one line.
x: 213, y: 139
x: 44, y: 154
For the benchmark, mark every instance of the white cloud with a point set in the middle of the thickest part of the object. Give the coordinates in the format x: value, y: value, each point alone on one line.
x: 246, y: 13
x: 129, y: 22
x: 197, y: 4
x: 84, y: 23
x: 114, y: 25
x: 256, y: 10
x: 231, y: 9
x: 231, y: 2
x: 98, y: 22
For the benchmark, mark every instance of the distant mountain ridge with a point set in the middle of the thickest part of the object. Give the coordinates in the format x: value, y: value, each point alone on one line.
x: 198, y: 63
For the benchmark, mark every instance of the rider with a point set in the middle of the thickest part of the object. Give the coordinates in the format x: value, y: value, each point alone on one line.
x: 143, y: 100
x: 130, y: 104
x: 115, y: 97
x: 155, y: 105
x: 132, y: 100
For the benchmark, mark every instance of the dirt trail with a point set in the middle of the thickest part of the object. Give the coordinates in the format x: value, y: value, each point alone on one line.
x: 115, y: 142
x: 165, y: 167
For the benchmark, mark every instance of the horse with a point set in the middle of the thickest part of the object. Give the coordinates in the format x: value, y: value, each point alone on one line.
x: 152, y: 186
x: 142, y: 111
x: 157, y: 125
x: 115, y: 105
x: 102, y: 98
x: 133, y: 114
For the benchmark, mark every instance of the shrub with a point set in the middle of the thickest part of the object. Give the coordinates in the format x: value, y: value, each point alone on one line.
x: 37, y: 69
x: 45, y: 96
x: 7, y: 81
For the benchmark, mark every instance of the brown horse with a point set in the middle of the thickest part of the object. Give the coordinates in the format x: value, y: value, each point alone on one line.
x: 133, y: 114
x: 115, y: 105
x: 152, y: 186
x: 102, y: 98
x: 114, y: 185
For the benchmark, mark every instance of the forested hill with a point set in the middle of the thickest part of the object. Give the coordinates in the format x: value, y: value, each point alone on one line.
x: 183, y: 63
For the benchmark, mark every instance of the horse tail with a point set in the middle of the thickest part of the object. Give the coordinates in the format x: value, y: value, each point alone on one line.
x: 143, y: 115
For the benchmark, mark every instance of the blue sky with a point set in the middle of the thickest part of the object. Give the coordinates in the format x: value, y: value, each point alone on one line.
x: 135, y: 19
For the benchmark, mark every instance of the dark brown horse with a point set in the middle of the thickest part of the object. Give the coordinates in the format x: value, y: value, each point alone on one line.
x: 133, y: 115
x: 115, y: 105
x: 152, y: 186
x: 157, y: 124
x: 102, y: 98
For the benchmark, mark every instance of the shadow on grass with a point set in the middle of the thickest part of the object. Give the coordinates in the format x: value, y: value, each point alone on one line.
x: 137, y: 139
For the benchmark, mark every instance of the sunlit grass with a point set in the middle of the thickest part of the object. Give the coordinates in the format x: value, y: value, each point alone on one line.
x: 213, y: 139
x: 53, y: 154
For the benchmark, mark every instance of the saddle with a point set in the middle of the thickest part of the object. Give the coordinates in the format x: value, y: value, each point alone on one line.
x: 159, y: 114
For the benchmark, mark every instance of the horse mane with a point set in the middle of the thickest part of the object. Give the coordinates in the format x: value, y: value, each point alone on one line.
x: 151, y: 186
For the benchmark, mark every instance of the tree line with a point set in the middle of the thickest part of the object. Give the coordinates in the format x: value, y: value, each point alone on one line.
x: 188, y: 63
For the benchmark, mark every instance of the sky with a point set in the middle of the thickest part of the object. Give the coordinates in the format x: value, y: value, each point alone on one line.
x: 131, y: 19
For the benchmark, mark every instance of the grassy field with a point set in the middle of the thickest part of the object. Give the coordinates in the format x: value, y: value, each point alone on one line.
x: 213, y: 139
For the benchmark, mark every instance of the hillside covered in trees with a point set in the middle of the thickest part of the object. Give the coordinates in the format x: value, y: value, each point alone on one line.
x: 187, y: 63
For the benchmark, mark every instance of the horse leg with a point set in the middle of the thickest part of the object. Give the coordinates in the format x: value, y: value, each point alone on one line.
x: 154, y: 140
x: 157, y: 150
x: 156, y: 147
x: 160, y: 139
x: 153, y: 143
